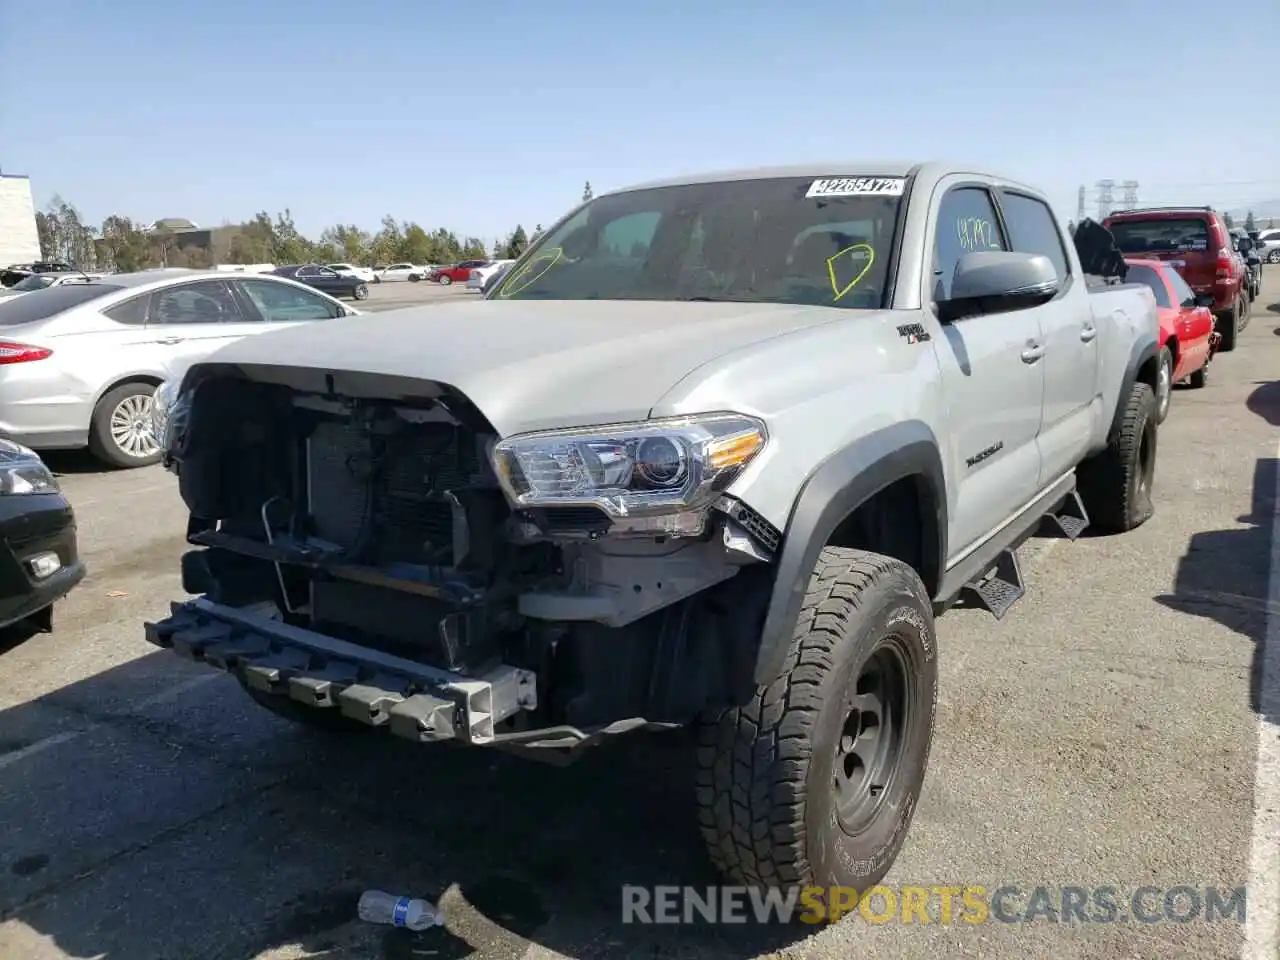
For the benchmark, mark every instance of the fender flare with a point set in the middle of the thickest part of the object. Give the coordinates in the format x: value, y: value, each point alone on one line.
x: 1144, y: 350
x: 837, y: 487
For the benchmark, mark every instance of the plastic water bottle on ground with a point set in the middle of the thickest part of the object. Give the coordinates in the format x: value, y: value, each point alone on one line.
x: 376, y: 906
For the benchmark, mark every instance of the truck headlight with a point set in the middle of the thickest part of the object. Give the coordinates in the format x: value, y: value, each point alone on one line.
x: 657, y: 467
x: 22, y: 471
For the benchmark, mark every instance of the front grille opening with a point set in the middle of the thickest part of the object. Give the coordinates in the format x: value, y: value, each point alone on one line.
x: 554, y: 520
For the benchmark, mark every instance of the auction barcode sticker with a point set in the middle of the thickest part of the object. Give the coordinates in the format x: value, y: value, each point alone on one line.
x: 857, y: 187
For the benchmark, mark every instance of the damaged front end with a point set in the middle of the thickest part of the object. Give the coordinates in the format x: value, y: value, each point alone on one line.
x: 368, y: 544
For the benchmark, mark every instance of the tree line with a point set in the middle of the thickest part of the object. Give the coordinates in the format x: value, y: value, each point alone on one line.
x: 123, y: 244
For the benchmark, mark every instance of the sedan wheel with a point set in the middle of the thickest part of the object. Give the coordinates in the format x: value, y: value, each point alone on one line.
x: 445, y: 279
x: 122, y: 433
x: 1274, y: 256
x: 361, y: 292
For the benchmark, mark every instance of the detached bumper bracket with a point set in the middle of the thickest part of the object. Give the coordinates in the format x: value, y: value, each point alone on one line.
x: 412, y: 700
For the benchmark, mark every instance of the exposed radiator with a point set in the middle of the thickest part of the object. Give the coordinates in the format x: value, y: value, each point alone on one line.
x: 388, y: 488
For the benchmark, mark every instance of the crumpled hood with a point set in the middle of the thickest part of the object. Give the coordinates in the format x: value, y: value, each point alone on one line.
x: 535, y: 365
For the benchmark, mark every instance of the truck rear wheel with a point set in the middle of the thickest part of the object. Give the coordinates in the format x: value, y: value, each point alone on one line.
x: 1116, y: 484
x: 815, y: 780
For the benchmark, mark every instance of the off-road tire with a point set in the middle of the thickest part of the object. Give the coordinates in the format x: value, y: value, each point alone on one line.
x: 101, y: 444
x: 1198, y: 379
x: 326, y: 720
x: 1116, y: 484
x: 765, y: 771
x: 1228, y: 324
x: 1164, y: 384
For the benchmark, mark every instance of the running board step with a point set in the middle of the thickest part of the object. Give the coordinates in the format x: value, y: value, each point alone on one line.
x: 1071, y: 517
x: 1003, y: 588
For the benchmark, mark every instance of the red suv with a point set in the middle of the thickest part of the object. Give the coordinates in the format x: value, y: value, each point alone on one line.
x: 1195, y: 242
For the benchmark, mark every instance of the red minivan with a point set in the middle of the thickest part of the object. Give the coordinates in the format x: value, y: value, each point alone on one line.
x: 1195, y: 242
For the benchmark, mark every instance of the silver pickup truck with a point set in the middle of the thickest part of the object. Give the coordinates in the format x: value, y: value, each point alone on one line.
x: 712, y: 454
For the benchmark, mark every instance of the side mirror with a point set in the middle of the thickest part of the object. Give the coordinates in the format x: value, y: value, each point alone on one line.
x: 996, y: 281
x: 1204, y: 300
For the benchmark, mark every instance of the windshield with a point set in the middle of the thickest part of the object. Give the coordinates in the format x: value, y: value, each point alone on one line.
x: 42, y: 304
x: 37, y: 281
x: 1163, y: 235
x: 824, y: 242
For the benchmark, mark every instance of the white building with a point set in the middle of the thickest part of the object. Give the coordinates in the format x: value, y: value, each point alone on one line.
x: 19, y: 241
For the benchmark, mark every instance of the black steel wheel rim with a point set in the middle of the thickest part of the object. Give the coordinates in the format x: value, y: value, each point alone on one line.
x: 872, y: 737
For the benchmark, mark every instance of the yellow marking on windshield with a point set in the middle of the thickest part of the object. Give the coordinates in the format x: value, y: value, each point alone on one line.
x: 849, y: 252
x: 552, y: 256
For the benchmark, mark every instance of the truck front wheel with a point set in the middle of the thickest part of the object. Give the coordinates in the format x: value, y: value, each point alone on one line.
x: 815, y: 780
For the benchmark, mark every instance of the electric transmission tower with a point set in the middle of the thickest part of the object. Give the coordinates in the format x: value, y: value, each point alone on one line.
x: 1105, y: 199
x: 1080, y: 204
x: 1130, y: 194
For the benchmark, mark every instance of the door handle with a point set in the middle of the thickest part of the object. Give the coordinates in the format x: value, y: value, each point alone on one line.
x: 170, y: 341
x: 1033, y: 353
x: 1088, y: 333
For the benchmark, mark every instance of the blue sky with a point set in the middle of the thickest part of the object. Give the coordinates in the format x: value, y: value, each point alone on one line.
x: 485, y: 116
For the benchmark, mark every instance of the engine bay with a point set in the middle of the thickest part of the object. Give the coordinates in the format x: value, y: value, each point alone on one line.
x: 379, y: 521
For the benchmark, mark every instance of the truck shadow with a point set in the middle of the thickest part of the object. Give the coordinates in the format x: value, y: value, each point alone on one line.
x: 1225, y: 574
x: 235, y: 833
x: 1265, y: 401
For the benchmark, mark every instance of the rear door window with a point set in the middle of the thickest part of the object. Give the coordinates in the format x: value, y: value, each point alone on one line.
x: 43, y: 304
x: 1033, y: 229
x: 206, y: 301
x: 1161, y: 235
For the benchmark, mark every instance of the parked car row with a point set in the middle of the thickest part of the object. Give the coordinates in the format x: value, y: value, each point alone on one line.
x: 43, y: 281
x: 1205, y: 278
x: 15, y: 273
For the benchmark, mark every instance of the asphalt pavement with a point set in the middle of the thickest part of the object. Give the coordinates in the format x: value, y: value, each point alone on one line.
x: 1105, y: 733
x: 393, y: 295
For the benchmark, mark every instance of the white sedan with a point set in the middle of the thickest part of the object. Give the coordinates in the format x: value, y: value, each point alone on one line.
x: 402, y: 271
x: 481, y: 275
x: 351, y: 270
x: 83, y: 359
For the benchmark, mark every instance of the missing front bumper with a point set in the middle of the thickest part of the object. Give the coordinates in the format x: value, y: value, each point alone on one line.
x: 411, y: 699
